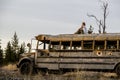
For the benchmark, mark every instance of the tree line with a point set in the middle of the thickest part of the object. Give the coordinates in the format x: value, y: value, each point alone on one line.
x: 11, y: 53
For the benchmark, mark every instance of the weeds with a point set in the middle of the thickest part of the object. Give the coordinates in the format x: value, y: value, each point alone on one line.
x: 11, y: 73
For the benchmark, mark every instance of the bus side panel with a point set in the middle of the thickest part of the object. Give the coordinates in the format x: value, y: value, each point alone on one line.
x: 87, y: 63
x: 88, y: 60
x: 48, y: 62
x: 81, y: 60
x: 50, y: 66
x: 88, y: 54
x: 86, y: 66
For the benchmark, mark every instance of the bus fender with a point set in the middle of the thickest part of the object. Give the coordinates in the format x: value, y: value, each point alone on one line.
x: 25, y: 59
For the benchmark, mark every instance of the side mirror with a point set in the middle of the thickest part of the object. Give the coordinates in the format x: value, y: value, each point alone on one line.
x: 29, y: 46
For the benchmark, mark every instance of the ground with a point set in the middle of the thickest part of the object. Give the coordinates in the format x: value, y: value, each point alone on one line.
x: 10, y: 72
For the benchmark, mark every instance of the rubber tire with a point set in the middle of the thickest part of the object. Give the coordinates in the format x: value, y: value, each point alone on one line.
x: 26, y: 68
x: 117, y: 69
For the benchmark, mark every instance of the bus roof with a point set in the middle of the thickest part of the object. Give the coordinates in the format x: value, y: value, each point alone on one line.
x: 78, y: 37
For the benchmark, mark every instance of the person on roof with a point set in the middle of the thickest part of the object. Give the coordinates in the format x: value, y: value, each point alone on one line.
x: 90, y: 30
x: 82, y: 29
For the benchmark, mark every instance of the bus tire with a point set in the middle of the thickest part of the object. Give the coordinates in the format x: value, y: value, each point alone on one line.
x: 117, y: 69
x: 26, y: 68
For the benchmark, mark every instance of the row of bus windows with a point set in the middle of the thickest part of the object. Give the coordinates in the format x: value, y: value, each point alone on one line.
x: 81, y: 45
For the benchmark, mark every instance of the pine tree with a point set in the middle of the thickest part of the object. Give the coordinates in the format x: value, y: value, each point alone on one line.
x: 22, y: 49
x: 10, y: 55
x: 15, y: 45
x: 1, y: 55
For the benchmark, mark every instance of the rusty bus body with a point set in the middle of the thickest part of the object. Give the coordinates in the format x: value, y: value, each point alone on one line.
x: 76, y: 51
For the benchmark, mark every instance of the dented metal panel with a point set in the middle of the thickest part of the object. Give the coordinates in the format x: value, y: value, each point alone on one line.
x: 81, y: 60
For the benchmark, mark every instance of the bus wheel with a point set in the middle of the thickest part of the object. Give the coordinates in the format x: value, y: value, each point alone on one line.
x: 117, y: 69
x: 26, y: 68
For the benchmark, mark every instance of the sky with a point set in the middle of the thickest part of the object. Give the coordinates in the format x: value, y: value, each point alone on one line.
x: 29, y: 18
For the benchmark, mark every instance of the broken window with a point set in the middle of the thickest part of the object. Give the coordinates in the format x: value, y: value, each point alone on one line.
x: 76, y: 45
x: 55, y: 45
x: 99, y: 45
x: 87, y: 44
x: 65, y: 45
x: 111, y: 44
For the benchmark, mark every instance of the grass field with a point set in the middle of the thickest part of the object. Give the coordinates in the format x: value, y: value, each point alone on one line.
x: 10, y: 72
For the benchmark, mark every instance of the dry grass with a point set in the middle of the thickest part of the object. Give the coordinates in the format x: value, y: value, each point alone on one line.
x: 79, y: 75
x: 90, y: 75
x: 10, y: 72
x: 9, y: 67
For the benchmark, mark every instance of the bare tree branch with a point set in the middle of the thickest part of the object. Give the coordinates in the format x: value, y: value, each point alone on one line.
x: 93, y: 17
x: 105, y: 7
x: 102, y: 23
x: 99, y: 22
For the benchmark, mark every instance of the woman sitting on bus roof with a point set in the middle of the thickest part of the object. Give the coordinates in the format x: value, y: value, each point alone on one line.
x: 82, y: 29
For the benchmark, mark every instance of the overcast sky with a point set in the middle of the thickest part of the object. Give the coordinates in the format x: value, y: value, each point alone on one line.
x: 32, y: 17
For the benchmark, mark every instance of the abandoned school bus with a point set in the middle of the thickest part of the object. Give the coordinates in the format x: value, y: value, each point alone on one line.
x: 73, y: 51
